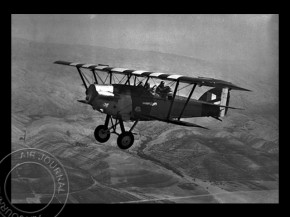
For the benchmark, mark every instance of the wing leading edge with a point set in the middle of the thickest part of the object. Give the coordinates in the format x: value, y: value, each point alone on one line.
x: 202, y: 81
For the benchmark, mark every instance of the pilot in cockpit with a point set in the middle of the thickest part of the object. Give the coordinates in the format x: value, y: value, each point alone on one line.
x: 163, y: 90
x: 147, y: 86
x: 160, y: 88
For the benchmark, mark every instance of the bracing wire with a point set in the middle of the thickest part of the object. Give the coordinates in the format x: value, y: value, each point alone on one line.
x: 122, y: 79
x: 184, y: 87
x: 106, y: 78
x: 100, y: 78
x: 85, y: 77
x: 170, y: 85
x: 116, y: 78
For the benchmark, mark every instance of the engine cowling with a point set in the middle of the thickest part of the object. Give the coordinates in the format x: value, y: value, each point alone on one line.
x: 91, y: 93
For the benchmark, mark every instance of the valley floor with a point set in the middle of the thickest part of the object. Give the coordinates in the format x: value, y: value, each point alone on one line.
x: 171, y: 166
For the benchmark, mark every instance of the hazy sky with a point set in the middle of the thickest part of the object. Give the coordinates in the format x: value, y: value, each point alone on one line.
x: 209, y: 37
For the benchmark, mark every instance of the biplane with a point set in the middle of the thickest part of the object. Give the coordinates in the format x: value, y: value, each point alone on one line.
x: 129, y: 99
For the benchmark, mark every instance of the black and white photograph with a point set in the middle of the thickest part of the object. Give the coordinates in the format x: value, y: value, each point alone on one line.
x: 143, y: 108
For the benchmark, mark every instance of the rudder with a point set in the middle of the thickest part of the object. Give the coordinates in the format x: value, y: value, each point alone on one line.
x: 218, y: 96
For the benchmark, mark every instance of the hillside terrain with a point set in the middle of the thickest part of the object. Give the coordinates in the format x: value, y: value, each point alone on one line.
x: 237, y: 160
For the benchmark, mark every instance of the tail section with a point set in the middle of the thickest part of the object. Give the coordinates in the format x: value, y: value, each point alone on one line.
x: 218, y: 96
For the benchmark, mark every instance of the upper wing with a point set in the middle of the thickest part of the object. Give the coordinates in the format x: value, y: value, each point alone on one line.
x: 203, y: 81
x: 82, y: 65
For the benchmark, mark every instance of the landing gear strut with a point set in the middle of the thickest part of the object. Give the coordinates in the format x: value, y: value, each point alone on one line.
x: 125, y: 139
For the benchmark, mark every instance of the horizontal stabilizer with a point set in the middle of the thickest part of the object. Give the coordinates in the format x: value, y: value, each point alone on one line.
x: 223, y: 106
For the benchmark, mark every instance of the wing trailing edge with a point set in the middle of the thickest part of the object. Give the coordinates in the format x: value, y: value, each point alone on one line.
x: 183, y: 123
x: 177, y: 122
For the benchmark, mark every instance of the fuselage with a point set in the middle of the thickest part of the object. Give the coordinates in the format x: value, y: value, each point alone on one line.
x: 137, y: 103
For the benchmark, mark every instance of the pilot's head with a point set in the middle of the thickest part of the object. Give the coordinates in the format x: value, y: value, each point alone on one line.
x: 162, y: 83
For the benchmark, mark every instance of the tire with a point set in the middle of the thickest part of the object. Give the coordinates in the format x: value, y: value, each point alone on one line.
x: 125, y: 140
x: 101, y: 135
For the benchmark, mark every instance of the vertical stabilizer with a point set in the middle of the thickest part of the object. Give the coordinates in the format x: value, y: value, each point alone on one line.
x: 218, y: 96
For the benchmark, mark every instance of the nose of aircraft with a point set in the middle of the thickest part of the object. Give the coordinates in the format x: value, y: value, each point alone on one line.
x: 91, y: 93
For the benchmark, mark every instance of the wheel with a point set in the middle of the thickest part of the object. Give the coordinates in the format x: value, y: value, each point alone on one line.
x: 101, y: 133
x: 125, y: 140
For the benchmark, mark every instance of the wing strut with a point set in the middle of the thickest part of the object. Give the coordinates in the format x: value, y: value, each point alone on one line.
x: 190, y: 94
x: 110, y: 77
x: 146, y: 80
x: 82, y: 77
x: 172, y: 101
x: 135, y: 80
x: 128, y: 80
x: 93, y: 71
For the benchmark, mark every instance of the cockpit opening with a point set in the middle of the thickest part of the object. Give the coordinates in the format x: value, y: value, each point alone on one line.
x: 162, y: 90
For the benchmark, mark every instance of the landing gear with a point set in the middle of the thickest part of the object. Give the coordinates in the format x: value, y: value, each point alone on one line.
x: 102, y: 134
x: 125, y: 139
